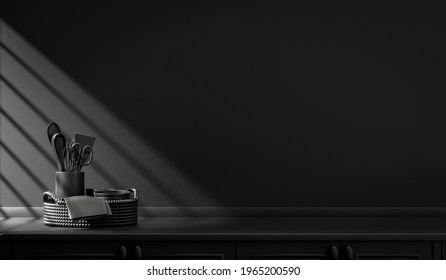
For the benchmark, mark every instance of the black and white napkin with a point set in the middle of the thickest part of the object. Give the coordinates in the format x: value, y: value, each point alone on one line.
x: 87, y: 207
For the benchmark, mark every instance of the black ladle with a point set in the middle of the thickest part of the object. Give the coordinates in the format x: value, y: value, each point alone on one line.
x: 52, y: 129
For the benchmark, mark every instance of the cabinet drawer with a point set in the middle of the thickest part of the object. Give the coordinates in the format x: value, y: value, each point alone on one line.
x: 182, y: 250
x: 70, y: 250
x: 287, y: 250
x: 392, y: 250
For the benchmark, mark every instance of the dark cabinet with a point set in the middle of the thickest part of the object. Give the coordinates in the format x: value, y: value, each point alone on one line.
x: 180, y: 250
x: 104, y: 250
x: 220, y: 250
x: 5, y: 251
x: 367, y: 250
x: 393, y: 250
x: 443, y: 250
x: 288, y: 250
x: 70, y: 250
x: 344, y: 238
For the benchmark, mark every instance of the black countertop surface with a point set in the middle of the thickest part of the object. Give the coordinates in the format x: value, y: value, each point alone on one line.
x: 240, y: 228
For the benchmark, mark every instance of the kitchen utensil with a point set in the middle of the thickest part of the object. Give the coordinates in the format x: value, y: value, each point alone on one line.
x: 77, y: 157
x: 84, y: 140
x: 71, y: 154
x: 85, y: 157
x: 58, y: 143
x: 52, y: 129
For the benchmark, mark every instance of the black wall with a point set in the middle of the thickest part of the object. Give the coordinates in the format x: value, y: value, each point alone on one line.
x: 268, y: 104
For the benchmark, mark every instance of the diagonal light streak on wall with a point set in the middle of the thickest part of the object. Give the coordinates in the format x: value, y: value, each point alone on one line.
x: 45, y: 152
x: 34, y: 92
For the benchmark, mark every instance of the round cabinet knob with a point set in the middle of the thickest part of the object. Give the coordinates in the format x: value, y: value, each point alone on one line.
x: 349, y: 253
x: 123, y: 252
x: 334, y: 253
x: 138, y: 252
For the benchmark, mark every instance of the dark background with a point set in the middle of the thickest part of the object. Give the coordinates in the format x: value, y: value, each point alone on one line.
x: 269, y: 104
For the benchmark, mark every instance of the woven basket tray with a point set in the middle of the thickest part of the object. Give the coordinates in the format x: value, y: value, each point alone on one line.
x: 124, y: 212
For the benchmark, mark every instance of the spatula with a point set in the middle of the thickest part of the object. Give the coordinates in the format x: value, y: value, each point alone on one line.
x: 84, y: 140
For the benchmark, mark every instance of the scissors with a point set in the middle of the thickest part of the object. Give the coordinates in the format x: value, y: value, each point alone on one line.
x: 85, y: 157
x: 76, y: 158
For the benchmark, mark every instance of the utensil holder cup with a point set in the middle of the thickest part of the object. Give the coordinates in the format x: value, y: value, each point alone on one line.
x: 70, y: 184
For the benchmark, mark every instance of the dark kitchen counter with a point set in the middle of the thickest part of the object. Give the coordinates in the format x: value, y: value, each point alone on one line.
x: 241, y: 228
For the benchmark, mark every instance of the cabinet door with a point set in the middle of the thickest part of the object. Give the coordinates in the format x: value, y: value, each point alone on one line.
x: 443, y: 250
x: 70, y: 250
x: 288, y: 250
x: 183, y: 250
x: 392, y: 250
x: 5, y: 250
